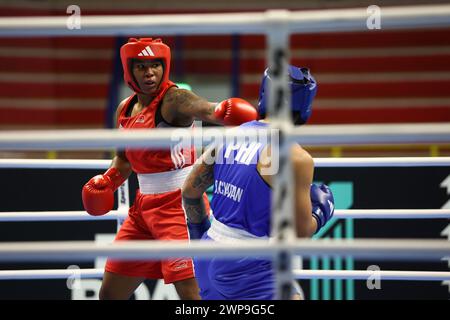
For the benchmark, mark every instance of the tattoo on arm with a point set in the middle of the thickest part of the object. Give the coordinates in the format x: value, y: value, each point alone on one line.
x: 194, y: 205
x: 195, y: 209
x: 190, y: 104
x: 204, y: 179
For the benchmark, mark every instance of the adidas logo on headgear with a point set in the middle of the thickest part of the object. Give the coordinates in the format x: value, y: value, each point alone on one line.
x: 146, y: 52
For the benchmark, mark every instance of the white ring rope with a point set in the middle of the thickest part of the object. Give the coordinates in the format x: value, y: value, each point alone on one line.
x: 392, y: 214
x: 96, y: 273
x: 380, y: 162
x: 298, y: 21
x: 51, y: 274
x: 393, y: 249
x: 40, y: 216
x: 54, y: 164
x: 318, y: 162
x: 163, y: 137
x: 366, y: 274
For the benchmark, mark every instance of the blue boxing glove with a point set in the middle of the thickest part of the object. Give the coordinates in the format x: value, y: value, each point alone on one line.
x: 196, y: 230
x: 322, y: 204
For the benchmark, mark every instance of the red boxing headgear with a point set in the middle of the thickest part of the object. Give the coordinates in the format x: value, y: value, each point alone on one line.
x: 144, y: 49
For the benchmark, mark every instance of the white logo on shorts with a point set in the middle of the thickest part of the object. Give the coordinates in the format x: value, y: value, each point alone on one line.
x: 182, y: 265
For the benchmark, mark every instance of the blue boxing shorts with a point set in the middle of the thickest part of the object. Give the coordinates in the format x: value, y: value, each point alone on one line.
x: 234, y: 279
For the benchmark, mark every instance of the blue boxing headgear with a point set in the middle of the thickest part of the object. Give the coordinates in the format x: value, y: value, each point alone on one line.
x: 303, y: 89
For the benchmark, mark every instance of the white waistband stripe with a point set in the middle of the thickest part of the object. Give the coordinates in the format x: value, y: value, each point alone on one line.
x: 154, y: 183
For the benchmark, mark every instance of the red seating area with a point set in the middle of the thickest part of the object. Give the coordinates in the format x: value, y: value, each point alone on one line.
x: 364, y: 77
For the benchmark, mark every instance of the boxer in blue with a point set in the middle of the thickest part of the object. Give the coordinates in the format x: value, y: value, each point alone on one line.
x: 241, y: 201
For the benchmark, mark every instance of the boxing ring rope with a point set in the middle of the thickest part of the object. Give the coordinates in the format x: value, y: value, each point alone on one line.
x: 54, y: 164
x: 367, y: 274
x: 308, y: 21
x: 318, y: 162
x: 393, y: 249
x: 95, y: 273
x: 305, y: 135
x: 41, y: 216
x: 392, y: 214
x: 379, y: 162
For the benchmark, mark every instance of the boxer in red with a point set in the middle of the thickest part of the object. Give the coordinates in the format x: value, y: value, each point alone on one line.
x: 157, y: 212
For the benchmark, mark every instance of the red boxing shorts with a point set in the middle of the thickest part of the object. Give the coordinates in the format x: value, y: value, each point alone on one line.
x: 155, y: 217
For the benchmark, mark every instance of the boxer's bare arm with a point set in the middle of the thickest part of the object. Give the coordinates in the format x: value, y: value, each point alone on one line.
x: 184, y: 105
x: 200, y: 179
x: 303, y: 167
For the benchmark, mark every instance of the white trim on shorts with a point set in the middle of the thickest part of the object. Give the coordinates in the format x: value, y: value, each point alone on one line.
x: 222, y: 233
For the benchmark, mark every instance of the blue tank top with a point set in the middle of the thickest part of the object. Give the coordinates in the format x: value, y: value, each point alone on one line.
x: 241, y: 198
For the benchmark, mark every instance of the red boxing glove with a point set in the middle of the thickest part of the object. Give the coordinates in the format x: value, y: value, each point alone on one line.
x: 98, y: 193
x: 235, y: 111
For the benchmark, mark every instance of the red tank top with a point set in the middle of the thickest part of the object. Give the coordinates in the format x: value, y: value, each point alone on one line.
x: 153, y: 160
